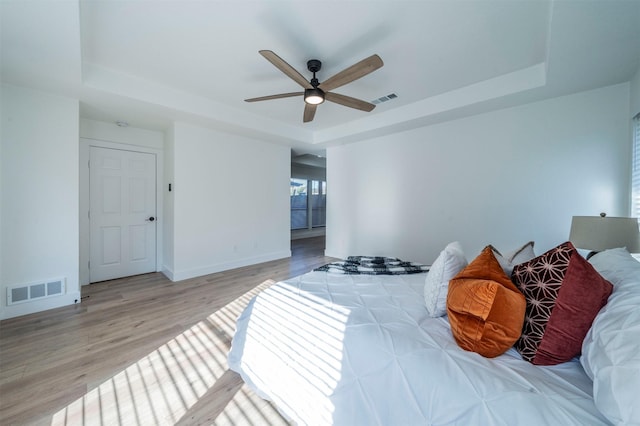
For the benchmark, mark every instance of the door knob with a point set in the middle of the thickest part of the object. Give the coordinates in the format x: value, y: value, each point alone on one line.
x: 151, y: 219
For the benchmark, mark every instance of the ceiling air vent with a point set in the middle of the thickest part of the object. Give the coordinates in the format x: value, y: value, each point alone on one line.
x: 384, y: 99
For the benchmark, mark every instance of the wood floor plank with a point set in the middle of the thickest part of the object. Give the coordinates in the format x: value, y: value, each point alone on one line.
x: 141, y: 350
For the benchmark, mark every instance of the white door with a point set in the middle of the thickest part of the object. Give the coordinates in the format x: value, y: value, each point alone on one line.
x: 122, y: 213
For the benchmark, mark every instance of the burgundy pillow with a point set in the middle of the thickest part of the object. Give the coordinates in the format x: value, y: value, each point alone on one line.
x: 563, y: 293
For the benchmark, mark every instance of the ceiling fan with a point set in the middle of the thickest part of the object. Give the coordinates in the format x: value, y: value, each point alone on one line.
x: 315, y: 92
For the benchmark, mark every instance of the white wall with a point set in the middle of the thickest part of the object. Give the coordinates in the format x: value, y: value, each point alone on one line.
x: 169, y: 206
x: 39, y: 191
x: 4, y: 111
x: 635, y: 94
x: 501, y: 178
x: 230, y: 200
x: 111, y: 132
x: 633, y: 112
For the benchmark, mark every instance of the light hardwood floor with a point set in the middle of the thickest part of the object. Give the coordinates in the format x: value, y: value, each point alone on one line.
x: 141, y: 351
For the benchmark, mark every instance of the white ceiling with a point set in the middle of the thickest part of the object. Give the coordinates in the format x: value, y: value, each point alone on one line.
x: 154, y: 62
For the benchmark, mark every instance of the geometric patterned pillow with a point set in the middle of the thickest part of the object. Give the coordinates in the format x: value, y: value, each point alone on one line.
x: 564, y: 293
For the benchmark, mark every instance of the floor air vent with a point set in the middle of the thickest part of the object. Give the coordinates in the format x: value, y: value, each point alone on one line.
x: 35, y: 291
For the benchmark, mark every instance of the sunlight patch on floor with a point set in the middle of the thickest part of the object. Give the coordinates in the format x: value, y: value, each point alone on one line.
x: 161, y: 387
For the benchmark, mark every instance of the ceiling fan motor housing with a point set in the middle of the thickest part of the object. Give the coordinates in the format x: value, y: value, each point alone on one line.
x: 314, y: 65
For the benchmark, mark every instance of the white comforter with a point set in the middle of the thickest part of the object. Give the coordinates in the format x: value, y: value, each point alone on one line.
x: 361, y: 350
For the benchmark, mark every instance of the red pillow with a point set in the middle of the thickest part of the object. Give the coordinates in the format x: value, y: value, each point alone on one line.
x: 564, y: 293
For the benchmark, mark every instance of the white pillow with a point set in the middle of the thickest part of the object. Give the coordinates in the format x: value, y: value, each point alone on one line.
x: 611, y: 349
x: 450, y: 261
x: 584, y: 252
x: 516, y: 257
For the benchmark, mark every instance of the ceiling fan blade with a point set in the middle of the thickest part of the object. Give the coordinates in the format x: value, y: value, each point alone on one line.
x: 352, y: 73
x: 286, y: 68
x: 281, y: 95
x: 309, y: 112
x: 348, y: 101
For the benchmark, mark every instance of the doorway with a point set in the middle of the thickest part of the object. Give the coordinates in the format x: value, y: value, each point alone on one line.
x: 155, y: 226
x: 308, y: 193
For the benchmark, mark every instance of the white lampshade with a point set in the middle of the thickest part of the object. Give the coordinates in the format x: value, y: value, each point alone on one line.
x: 599, y: 233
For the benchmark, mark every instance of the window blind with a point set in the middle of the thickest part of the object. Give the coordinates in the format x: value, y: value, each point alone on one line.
x: 635, y: 173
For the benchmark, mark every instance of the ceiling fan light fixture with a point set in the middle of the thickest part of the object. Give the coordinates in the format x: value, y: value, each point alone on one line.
x: 314, y: 96
x: 315, y: 93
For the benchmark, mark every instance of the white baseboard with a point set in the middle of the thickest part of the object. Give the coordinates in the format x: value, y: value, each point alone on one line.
x: 40, y: 305
x: 168, y: 273
x: 306, y: 233
x: 224, y: 266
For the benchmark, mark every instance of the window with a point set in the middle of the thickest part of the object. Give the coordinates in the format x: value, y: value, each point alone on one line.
x: 298, y: 204
x: 308, y: 203
x: 635, y: 172
x: 318, y: 203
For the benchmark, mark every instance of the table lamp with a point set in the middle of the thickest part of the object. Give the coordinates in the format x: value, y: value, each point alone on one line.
x: 598, y: 233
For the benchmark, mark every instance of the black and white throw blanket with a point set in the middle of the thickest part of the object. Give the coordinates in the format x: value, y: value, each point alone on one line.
x: 373, y: 265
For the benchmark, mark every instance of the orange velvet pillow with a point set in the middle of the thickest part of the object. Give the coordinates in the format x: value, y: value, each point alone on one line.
x: 486, y: 310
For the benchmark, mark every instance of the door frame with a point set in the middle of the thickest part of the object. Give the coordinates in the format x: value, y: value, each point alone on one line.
x: 85, y: 228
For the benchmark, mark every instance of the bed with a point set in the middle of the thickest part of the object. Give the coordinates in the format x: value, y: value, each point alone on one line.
x: 362, y: 349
